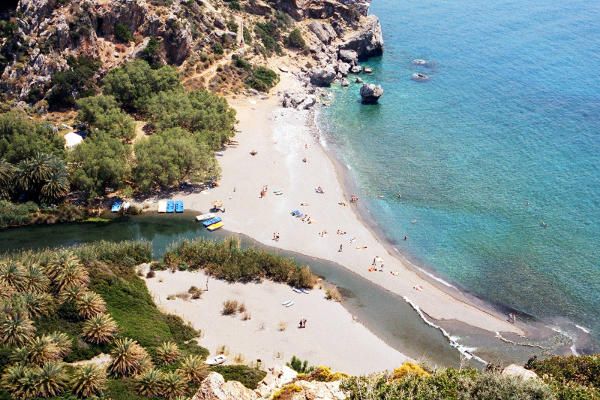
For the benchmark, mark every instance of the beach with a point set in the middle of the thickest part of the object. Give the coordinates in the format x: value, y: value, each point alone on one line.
x: 272, y: 334
x: 289, y: 159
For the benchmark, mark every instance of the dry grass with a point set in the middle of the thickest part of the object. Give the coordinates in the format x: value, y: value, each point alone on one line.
x: 242, y: 308
x: 195, y: 292
x: 332, y: 293
x: 230, y: 307
x: 246, y: 316
x: 282, y: 326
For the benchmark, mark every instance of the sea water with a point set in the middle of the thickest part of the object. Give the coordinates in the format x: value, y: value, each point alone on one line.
x: 491, y: 168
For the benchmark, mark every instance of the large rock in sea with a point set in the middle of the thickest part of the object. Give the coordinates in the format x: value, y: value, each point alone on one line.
x: 323, y: 77
x: 368, y: 42
x: 348, y: 56
x: 370, y: 93
x: 214, y: 387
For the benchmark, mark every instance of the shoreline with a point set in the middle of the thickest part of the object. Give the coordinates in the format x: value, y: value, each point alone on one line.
x: 279, y: 138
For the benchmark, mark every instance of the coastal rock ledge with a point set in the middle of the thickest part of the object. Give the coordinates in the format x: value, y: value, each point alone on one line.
x: 370, y: 93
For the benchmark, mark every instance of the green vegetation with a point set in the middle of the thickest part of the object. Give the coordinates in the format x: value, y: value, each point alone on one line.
x: 123, y: 33
x: 99, y: 163
x: 262, y: 79
x: 73, y: 83
x: 133, y: 84
x: 102, y: 114
x: 299, y: 366
x: 15, y: 214
x: 171, y: 157
x: 295, y: 40
x: 249, y: 377
x: 270, y: 35
x: 61, y: 306
x: 151, y: 53
x: 226, y: 260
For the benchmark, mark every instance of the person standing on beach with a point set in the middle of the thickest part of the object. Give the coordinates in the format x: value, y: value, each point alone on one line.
x: 340, y: 249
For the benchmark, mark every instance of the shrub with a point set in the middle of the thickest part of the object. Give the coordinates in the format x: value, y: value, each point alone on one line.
x: 195, y: 292
x: 230, y: 307
x: 332, y: 293
x: 324, y: 374
x: 151, y: 53
x: 262, y: 79
x: 583, y: 370
x: 123, y: 33
x: 247, y: 376
x: 408, y: 368
x: 295, y: 40
x: 299, y: 366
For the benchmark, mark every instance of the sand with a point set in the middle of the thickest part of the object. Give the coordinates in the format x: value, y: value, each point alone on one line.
x: 331, y: 336
x: 282, y: 138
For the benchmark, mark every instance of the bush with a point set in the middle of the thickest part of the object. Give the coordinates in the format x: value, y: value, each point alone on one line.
x: 262, y: 79
x: 295, y: 40
x: 230, y: 307
x: 123, y: 33
x: 299, y: 366
x: 249, y: 377
x: 226, y: 260
x: 333, y: 294
x: 583, y: 370
x: 73, y: 83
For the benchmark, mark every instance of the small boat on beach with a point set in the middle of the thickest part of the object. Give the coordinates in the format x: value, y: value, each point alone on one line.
x: 216, y: 226
x: 116, y: 206
x: 179, y: 206
x: 162, y: 206
x: 216, y: 360
x: 170, y: 206
x: 211, y: 221
x: 204, y: 217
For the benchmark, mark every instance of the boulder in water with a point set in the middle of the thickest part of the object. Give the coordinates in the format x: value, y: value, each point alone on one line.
x: 370, y: 93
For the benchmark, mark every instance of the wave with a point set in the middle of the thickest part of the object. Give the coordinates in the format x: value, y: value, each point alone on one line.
x: 467, y: 352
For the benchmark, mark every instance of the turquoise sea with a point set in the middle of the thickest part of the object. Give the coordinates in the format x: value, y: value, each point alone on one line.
x: 492, y: 167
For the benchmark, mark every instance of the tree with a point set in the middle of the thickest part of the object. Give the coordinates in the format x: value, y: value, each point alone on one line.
x: 43, y: 178
x: 295, y: 40
x: 149, y: 383
x: 167, y: 353
x: 100, y: 162
x: 51, y: 379
x: 88, y: 381
x: 173, y: 385
x: 73, y: 83
x: 123, y: 33
x: 67, y: 272
x: 7, y: 172
x: 135, y: 82
x: 90, y: 304
x: 99, y: 329
x: 102, y: 114
x: 16, y: 328
x: 199, y: 111
x: 172, y: 157
x: 193, y: 369
x: 151, y: 53
x: 262, y: 79
x: 128, y: 358
x: 21, y: 138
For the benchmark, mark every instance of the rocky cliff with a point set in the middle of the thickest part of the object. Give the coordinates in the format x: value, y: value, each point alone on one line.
x: 50, y: 32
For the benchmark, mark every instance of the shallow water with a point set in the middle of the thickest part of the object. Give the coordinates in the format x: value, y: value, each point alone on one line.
x: 385, y: 313
x: 492, y: 167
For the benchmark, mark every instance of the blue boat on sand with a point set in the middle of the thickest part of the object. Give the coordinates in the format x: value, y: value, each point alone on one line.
x: 116, y: 206
x: 178, y: 206
x: 211, y: 221
x: 170, y: 206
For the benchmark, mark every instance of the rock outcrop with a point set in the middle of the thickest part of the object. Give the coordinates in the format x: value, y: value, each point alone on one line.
x: 214, y: 387
x: 370, y: 93
x: 318, y: 391
x: 323, y: 31
x: 518, y: 371
x: 298, y: 100
x: 368, y: 42
x: 323, y: 77
x: 276, y: 378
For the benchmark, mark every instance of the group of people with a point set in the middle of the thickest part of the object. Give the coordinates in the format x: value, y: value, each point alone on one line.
x: 276, y: 236
x: 377, y: 264
x: 302, y: 323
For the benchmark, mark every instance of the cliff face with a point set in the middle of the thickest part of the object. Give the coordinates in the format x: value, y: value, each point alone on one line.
x: 49, y: 32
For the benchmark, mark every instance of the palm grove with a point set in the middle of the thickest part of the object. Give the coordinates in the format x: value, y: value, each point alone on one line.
x: 186, y: 127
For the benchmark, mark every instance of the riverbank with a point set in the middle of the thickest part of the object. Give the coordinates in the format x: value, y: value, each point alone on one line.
x: 288, y: 158
x: 268, y: 331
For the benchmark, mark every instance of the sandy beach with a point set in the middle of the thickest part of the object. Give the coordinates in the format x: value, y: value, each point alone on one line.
x: 329, y: 333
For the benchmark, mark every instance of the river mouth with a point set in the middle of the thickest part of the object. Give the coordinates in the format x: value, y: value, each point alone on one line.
x: 384, y: 313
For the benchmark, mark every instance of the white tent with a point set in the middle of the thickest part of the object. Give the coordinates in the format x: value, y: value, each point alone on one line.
x: 72, y: 139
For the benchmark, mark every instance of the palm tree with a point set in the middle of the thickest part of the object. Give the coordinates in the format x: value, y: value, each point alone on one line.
x: 88, y: 381
x: 20, y: 381
x: 99, y: 329
x: 11, y: 274
x: 63, y: 342
x: 193, y: 369
x: 16, y: 328
x: 71, y: 294
x: 90, y: 304
x: 57, y: 186
x: 128, y: 358
x: 6, y: 291
x: 38, y: 304
x: 52, y: 379
x: 149, y: 384
x: 35, y: 280
x: 173, y: 385
x: 68, y: 273
x: 38, y: 351
x: 7, y: 171
x: 167, y: 353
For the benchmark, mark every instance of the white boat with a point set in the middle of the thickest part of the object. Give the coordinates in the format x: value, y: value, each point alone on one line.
x: 204, y: 217
x: 216, y: 360
x: 290, y: 304
x: 162, y: 206
x: 285, y: 303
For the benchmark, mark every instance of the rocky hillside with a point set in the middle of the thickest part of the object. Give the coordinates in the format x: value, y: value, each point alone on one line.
x: 43, y: 37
